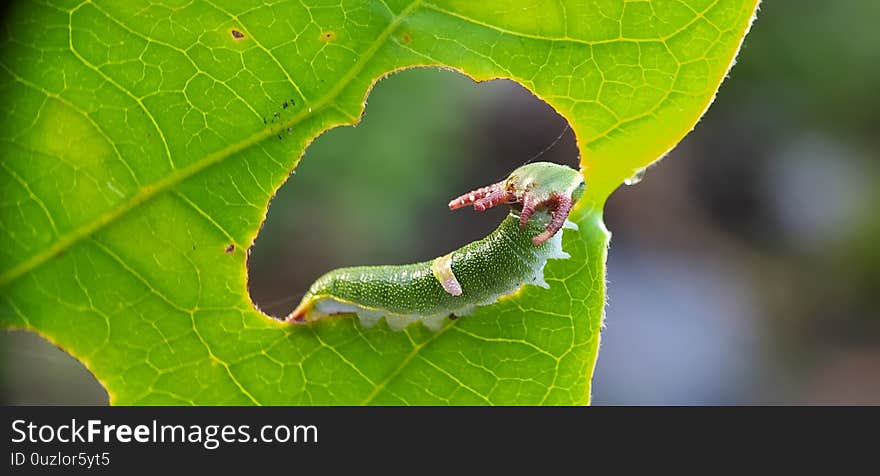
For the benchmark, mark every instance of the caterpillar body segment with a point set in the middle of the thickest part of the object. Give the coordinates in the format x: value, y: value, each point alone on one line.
x: 477, y: 274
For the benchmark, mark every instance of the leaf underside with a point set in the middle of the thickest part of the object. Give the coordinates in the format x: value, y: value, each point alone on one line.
x: 142, y: 143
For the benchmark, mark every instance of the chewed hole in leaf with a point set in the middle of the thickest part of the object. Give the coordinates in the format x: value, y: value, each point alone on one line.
x: 378, y: 193
x: 36, y: 372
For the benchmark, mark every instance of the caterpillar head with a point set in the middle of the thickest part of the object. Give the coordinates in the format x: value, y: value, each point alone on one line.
x: 535, y: 186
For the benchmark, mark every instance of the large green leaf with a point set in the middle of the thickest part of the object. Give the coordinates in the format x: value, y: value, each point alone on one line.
x: 143, y: 142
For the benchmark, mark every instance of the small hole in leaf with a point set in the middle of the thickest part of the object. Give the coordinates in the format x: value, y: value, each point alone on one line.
x: 37, y: 372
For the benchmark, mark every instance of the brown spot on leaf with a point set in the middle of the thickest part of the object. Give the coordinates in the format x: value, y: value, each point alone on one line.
x: 237, y: 34
x: 406, y: 38
x: 230, y: 248
x: 328, y: 35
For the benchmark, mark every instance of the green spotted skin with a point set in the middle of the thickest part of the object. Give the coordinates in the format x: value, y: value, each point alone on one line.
x: 541, y: 195
x: 486, y: 269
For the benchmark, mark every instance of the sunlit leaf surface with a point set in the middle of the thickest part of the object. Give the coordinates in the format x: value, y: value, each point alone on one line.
x: 141, y: 144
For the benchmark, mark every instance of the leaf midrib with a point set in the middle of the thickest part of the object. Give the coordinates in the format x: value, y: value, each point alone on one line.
x: 179, y: 175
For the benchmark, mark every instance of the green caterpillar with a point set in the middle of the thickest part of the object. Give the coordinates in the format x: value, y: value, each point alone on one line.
x: 475, y: 275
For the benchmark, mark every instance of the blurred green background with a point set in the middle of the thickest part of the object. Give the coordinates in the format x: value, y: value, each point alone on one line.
x: 744, y: 268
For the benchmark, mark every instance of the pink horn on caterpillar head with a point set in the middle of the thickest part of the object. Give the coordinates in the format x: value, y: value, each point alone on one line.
x: 538, y: 186
x: 483, y: 198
